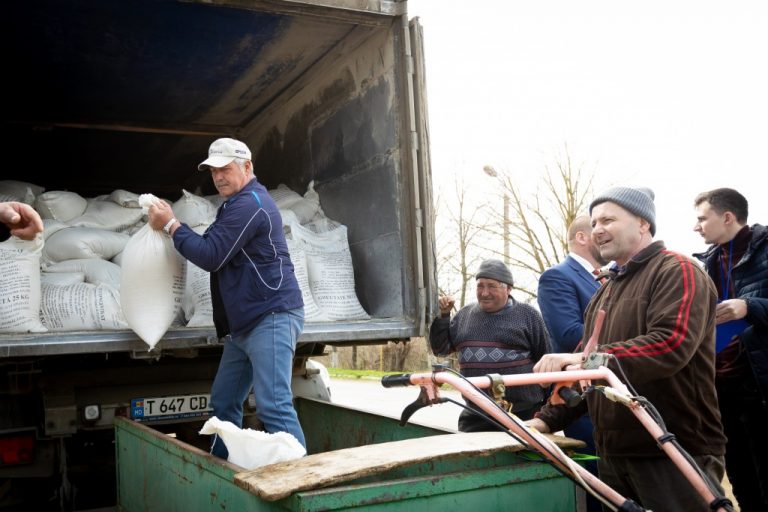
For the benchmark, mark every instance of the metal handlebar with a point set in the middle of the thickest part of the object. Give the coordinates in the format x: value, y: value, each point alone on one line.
x: 467, y: 386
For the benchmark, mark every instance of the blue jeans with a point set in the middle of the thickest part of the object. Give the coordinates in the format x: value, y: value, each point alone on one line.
x: 263, y: 360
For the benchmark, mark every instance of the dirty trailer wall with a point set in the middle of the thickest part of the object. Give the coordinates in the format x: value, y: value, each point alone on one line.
x: 128, y: 98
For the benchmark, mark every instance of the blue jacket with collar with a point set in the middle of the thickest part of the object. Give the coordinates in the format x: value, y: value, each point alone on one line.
x: 563, y: 294
x: 246, y: 253
x: 750, y: 282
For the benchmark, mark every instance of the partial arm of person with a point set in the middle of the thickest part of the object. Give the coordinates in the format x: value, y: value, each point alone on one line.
x: 236, y: 226
x: 757, y: 311
x: 753, y: 309
x: 160, y: 215
x: 440, y: 330
x: 559, y: 305
x: 19, y: 219
x: 553, y: 418
x: 678, y: 320
x: 539, y: 425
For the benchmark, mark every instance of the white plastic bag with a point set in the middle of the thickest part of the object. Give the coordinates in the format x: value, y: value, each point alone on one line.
x: 152, y: 281
x: 250, y: 448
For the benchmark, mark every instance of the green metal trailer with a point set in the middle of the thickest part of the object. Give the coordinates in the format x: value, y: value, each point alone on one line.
x: 357, y: 460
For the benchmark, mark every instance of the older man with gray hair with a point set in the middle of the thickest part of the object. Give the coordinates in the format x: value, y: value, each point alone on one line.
x: 257, y: 304
x: 495, y: 335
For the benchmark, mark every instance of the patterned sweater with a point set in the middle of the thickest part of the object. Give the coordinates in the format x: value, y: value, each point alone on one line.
x: 509, y: 341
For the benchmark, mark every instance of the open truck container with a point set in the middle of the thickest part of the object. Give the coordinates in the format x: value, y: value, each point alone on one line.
x: 109, y: 94
x: 356, y: 460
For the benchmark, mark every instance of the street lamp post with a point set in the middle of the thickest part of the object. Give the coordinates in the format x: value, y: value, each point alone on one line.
x: 491, y: 171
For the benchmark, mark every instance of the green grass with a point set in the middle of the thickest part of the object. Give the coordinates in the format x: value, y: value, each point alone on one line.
x: 345, y: 373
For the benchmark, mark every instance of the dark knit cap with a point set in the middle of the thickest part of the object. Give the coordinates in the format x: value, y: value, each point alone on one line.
x: 638, y: 201
x: 495, y: 269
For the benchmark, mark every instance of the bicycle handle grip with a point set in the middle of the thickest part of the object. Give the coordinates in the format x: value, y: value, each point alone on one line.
x: 391, y: 381
x: 570, y: 396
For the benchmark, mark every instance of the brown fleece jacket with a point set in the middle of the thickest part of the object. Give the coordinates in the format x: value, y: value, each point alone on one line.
x: 660, y: 326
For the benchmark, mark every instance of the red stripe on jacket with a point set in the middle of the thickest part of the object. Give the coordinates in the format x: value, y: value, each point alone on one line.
x: 680, y: 331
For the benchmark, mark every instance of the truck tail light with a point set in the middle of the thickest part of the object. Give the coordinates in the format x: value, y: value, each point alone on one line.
x: 17, y: 448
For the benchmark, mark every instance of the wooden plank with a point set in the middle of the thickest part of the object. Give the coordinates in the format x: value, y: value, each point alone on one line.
x: 278, y: 481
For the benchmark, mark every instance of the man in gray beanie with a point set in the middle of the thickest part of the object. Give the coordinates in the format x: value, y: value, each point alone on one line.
x: 495, y: 335
x: 637, y: 201
x: 496, y: 270
x: 660, y: 330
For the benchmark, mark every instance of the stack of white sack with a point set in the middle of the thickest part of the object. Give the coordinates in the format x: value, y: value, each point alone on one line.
x: 320, y: 254
x: 198, y: 213
x: 78, y: 289
x: 84, y: 249
x: 81, y: 237
x: 318, y: 247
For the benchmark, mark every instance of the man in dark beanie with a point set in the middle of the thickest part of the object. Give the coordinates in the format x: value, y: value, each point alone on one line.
x: 496, y: 335
x: 660, y: 330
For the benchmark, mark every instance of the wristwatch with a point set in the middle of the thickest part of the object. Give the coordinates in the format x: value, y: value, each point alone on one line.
x: 167, y: 227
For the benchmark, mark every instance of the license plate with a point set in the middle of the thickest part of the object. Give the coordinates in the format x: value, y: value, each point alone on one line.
x: 170, y: 407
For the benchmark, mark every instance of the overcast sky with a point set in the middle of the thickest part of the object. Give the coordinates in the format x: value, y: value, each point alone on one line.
x: 669, y: 95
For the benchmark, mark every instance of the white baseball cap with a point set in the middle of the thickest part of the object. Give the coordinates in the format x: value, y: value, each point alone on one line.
x: 223, y: 151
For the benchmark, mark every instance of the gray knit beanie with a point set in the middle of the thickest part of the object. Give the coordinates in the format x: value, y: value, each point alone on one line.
x: 638, y: 201
x: 495, y: 269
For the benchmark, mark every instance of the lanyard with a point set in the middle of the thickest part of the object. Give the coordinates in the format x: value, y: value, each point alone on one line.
x: 725, y: 278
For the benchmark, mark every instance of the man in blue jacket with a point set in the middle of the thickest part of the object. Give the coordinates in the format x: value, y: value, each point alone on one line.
x: 737, y: 262
x: 566, y: 289
x: 563, y: 295
x: 257, y: 304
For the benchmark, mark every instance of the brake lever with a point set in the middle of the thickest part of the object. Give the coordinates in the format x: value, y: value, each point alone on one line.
x: 425, y: 399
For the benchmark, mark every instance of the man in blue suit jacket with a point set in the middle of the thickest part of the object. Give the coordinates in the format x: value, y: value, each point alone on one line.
x: 564, y: 292
x: 566, y: 289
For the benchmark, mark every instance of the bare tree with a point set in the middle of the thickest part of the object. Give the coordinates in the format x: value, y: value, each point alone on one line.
x: 536, y: 226
x: 460, y: 227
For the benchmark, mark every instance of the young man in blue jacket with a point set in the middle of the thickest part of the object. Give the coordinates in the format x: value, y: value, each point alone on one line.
x: 737, y: 262
x: 257, y: 304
